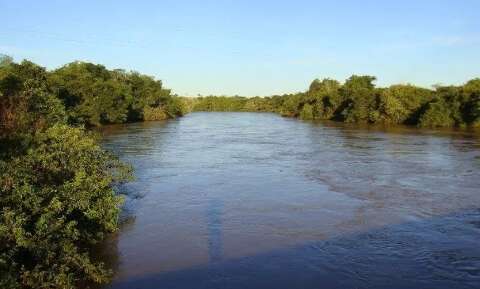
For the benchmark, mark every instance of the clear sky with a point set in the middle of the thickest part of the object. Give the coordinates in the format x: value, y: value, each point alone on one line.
x: 252, y: 47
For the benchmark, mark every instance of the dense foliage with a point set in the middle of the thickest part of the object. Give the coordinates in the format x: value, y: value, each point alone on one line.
x: 57, y: 201
x: 57, y: 185
x: 94, y: 95
x: 359, y: 101
x: 225, y: 103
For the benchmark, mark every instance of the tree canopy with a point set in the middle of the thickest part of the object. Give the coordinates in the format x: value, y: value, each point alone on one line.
x: 358, y: 100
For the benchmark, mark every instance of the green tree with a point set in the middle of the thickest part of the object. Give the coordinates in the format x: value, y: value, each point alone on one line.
x: 471, y: 105
x: 403, y: 103
x: 292, y: 105
x: 360, y: 98
x: 91, y: 93
x: 5, y: 60
x: 26, y: 102
x: 94, y: 95
x: 437, y: 114
x: 325, y: 97
x: 57, y: 195
x: 307, y: 112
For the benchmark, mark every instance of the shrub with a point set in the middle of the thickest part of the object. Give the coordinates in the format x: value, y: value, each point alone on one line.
x: 57, y: 200
x: 154, y: 113
x: 437, y: 114
x: 307, y: 112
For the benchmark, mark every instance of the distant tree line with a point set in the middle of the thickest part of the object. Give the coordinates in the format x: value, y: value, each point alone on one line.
x: 357, y: 100
x: 225, y: 103
x: 57, y: 185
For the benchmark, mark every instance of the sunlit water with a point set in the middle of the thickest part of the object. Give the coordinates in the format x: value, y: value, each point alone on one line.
x: 245, y: 200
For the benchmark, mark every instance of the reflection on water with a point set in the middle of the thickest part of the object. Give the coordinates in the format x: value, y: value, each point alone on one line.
x: 242, y: 200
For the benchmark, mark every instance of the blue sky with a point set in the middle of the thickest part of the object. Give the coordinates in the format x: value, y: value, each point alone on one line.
x: 252, y: 47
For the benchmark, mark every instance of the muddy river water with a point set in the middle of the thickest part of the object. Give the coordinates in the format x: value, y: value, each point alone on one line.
x: 254, y: 200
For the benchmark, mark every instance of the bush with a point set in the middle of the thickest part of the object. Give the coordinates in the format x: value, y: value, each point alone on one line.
x: 154, y: 113
x: 57, y: 200
x: 307, y: 112
x: 437, y: 114
x: 57, y: 195
x: 175, y: 107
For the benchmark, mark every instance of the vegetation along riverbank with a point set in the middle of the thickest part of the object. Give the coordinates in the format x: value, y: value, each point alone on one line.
x: 357, y: 100
x: 57, y: 185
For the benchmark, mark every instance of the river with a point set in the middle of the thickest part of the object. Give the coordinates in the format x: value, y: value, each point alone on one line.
x: 254, y: 200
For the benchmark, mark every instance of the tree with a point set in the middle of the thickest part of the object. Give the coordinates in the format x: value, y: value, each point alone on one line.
x: 437, y: 114
x: 26, y: 102
x: 307, y: 112
x: 292, y: 105
x: 325, y: 97
x: 403, y: 103
x: 94, y: 95
x: 5, y: 60
x: 359, y: 95
x: 91, y: 93
x: 57, y: 196
x: 471, y: 105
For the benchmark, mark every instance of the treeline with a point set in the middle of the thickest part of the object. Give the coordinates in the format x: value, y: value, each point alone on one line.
x: 357, y: 100
x: 225, y: 103
x: 94, y: 95
x: 57, y: 185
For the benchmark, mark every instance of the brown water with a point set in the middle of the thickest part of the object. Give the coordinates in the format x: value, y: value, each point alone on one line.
x: 245, y: 200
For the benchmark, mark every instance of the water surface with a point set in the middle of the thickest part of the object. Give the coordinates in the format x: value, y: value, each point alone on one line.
x: 253, y: 200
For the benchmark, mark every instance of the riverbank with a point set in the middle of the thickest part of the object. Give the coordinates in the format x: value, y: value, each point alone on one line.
x: 357, y: 100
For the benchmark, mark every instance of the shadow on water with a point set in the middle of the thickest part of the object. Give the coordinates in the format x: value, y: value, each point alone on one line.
x: 214, y: 224
x: 409, y: 255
